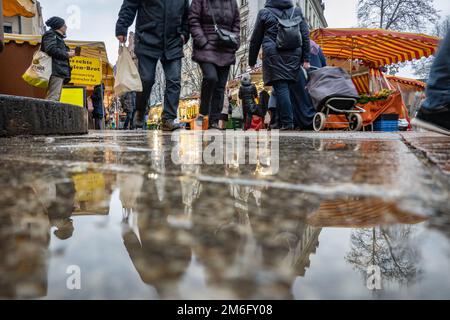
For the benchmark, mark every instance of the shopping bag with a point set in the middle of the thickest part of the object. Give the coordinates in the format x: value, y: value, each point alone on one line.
x: 127, y: 74
x: 40, y: 70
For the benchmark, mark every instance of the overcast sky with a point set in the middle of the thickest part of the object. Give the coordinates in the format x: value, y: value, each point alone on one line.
x: 98, y: 17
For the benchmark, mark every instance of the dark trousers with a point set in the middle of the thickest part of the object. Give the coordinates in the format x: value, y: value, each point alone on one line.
x: 98, y: 123
x: 284, y: 103
x: 172, y: 71
x: 213, y: 90
x: 302, y: 105
x: 129, y: 121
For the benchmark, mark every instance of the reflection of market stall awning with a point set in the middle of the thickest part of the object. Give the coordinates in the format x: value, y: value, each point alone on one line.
x: 360, y: 213
x: 24, y: 8
x: 89, y: 49
x: 377, y: 47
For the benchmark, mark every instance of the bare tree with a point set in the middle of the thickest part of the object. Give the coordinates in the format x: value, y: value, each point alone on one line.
x: 422, y: 67
x: 399, y: 15
x: 159, y: 87
x: 393, y: 249
x: 191, y: 72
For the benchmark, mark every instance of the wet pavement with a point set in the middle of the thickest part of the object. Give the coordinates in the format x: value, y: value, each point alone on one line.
x: 145, y: 215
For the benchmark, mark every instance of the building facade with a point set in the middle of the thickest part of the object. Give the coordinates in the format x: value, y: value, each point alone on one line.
x: 23, y: 25
x: 313, y: 11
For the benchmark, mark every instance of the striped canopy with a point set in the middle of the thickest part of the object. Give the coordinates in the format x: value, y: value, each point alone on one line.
x: 376, y: 47
x: 411, y: 84
x: 24, y: 8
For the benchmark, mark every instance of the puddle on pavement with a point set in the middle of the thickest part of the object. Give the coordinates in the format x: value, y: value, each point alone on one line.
x: 164, y: 231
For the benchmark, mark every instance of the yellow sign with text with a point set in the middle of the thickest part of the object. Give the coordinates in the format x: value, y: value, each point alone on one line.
x: 86, y: 71
x: 73, y: 95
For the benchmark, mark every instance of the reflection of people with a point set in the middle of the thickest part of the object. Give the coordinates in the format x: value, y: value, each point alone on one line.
x: 25, y: 233
x: 159, y: 256
x: 435, y: 112
x: 60, y: 211
x: 53, y: 44
x: 163, y: 29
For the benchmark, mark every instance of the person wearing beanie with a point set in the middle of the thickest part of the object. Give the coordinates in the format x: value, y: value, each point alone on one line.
x: 53, y: 44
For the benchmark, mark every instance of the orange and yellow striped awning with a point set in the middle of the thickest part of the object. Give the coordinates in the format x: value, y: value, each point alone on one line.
x: 376, y: 47
x: 407, y: 83
x: 24, y: 8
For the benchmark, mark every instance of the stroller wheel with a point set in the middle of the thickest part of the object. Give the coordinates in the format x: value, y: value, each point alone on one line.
x: 355, y: 122
x: 319, y: 122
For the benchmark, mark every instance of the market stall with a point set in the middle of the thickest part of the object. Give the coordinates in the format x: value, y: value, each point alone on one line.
x: 364, y: 53
x: 18, y: 53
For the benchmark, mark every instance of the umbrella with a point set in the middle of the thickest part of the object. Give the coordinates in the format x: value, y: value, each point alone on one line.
x: 24, y: 8
x: 376, y: 47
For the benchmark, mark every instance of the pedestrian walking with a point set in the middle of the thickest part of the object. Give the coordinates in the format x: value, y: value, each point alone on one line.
x: 434, y: 114
x: 129, y: 107
x: 215, y: 29
x: 99, y: 108
x: 162, y: 30
x: 304, y: 110
x: 285, y: 49
x: 53, y: 44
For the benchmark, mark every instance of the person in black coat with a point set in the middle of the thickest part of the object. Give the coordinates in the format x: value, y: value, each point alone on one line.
x: 304, y: 110
x: 97, y: 101
x: 128, y: 101
x: 280, y: 67
x: 53, y: 44
x: 162, y: 29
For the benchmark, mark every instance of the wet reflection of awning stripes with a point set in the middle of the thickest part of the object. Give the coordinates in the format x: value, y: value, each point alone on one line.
x: 377, y: 47
x: 360, y: 213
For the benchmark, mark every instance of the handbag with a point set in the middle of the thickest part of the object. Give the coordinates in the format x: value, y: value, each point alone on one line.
x: 127, y: 74
x: 227, y: 38
x: 40, y: 70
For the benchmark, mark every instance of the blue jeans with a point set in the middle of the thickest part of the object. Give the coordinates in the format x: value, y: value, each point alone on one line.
x: 304, y: 111
x: 284, y: 103
x: 129, y: 121
x: 438, y: 89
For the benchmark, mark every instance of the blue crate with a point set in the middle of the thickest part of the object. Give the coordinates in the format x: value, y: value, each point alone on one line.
x: 386, y: 125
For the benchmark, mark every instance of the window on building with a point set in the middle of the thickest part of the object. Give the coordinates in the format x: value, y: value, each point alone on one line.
x: 7, y: 28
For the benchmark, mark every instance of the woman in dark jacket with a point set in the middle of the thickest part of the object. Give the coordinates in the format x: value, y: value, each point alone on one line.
x: 280, y: 67
x: 53, y: 44
x: 214, y: 60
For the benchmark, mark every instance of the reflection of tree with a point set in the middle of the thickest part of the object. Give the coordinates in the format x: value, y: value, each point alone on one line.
x: 389, y: 248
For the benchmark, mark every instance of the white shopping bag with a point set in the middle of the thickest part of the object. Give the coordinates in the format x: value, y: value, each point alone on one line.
x: 40, y: 71
x: 127, y: 74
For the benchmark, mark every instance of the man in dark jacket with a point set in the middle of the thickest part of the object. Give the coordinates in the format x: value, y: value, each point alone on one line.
x: 128, y: 101
x: 161, y: 31
x: 280, y: 67
x: 99, y: 108
x: 53, y: 44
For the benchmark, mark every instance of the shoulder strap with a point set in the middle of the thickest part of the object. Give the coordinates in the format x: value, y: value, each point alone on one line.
x: 211, y: 11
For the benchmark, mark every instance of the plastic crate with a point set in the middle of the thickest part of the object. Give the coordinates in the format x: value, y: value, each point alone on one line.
x: 386, y: 125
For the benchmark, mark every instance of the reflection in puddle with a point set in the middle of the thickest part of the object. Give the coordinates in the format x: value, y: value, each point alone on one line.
x: 161, y: 235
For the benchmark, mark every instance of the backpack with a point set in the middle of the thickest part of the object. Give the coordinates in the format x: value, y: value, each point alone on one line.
x: 289, y: 36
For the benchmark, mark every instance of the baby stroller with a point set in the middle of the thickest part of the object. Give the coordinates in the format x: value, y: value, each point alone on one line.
x: 332, y: 92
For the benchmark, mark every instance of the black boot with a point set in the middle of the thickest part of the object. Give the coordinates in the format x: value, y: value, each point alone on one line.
x: 170, y: 125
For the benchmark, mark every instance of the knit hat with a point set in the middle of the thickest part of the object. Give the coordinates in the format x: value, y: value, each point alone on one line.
x: 55, y: 23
